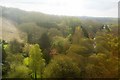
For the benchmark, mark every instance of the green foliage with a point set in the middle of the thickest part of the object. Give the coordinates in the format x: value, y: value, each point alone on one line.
x: 78, y: 34
x: 101, y: 65
x: 85, y: 47
x: 26, y: 49
x: 106, y: 43
x: 44, y: 41
x: 33, y: 31
x: 19, y: 71
x: 4, y: 55
x: 4, y: 68
x: 76, y: 49
x: 36, y: 62
x: 15, y: 46
x: 70, y: 38
x: 61, y: 44
x: 61, y: 67
x: 52, y: 32
x: 14, y: 58
x: 64, y: 28
x: 26, y: 61
x: 79, y: 59
x: 88, y: 44
x: 15, y: 66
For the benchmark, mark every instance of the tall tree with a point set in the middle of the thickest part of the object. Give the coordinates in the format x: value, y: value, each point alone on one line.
x: 15, y: 46
x: 36, y: 61
x: 3, y: 55
x: 85, y: 32
x: 44, y: 42
x: 78, y: 34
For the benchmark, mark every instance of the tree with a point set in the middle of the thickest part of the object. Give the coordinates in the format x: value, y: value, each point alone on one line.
x: 36, y: 61
x: 61, y: 44
x: 52, y: 32
x: 44, y: 42
x: 85, y: 32
x: 101, y: 66
x: 4, y: 55
x: 19, y: 71
x: 64, y: 28
x: 107, y: 43
x: 78, y: 34
x: 33, y: 31
x: 84, y: 47
x: 5, y: 65
x: 26, y: 49
x: 15, y: 46
x: 14, y: 58
x: 80, y: 60
x: 12, y: 62
x: 62, y: 66
x: 72, y: 22
x: 95, y: 66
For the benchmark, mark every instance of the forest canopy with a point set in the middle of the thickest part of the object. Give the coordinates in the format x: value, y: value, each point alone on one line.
x: 60, y: 46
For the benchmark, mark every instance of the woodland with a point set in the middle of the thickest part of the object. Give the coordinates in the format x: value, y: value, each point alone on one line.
x: 52, y: 46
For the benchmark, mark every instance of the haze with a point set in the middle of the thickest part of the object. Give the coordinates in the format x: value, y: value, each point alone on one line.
x: 94, y: 8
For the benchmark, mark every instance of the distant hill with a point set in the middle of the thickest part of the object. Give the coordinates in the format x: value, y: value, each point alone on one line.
x: 13, y: 19
x: 103, y: 20
x: 25, y: 16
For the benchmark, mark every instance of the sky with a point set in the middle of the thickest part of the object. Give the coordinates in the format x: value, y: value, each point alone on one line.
x: 93, y: 8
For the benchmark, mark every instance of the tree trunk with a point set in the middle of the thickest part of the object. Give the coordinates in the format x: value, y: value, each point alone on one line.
x: 35, y: 75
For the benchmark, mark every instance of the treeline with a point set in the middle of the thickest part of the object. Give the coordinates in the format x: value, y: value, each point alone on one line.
x: 59, y: 47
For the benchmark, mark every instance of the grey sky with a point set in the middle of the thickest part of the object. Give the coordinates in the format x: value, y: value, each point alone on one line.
x: 96, y: 8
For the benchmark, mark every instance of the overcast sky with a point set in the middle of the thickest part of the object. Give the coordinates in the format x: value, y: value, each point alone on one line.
x: 95, y: 8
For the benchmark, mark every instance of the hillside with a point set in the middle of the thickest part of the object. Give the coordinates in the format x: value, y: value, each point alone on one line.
x: 24, y: 21
x: 51, y: 46
x: 9, y: 30
x: 21, y: 16
x: 44, y: 22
